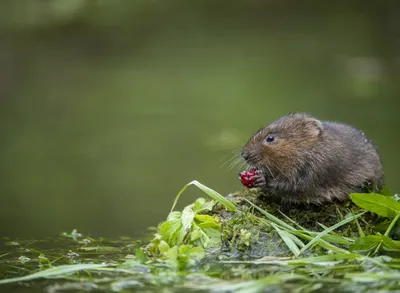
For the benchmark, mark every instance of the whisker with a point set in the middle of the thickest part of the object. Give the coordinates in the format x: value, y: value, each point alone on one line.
x: 236, y: 163
x: 236, y: 151
x: 232, y: 158
x: 242, y: 165
x: 276, y: 166
x: 233, y: 163
x: 229, y: 160
x: 269, y: 170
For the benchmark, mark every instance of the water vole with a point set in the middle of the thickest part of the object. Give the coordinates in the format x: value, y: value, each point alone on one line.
x: 302, y: 160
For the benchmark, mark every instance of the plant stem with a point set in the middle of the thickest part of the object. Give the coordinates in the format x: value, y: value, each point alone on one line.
x: 392, y: 224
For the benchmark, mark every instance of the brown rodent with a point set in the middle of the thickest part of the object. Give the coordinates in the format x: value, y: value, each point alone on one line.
x: 303, y: 160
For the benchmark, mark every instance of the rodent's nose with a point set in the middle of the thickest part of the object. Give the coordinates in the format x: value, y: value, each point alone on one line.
x: 245, y: 155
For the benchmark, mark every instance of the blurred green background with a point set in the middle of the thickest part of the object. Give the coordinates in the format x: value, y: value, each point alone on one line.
x: 108, y: 107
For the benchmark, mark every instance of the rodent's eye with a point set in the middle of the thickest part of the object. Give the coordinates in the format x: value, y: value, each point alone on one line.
x: 270, y: 138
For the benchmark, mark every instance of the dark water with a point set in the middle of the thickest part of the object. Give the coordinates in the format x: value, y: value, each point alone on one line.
x: 102, y: 124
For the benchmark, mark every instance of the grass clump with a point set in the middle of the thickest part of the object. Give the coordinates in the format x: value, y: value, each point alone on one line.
x: 251, y: 227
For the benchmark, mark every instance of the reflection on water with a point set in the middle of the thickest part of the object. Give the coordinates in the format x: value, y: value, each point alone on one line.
x: 100, y: 133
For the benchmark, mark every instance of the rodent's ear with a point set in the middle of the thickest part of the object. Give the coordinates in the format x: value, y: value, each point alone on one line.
x: 317, y: 126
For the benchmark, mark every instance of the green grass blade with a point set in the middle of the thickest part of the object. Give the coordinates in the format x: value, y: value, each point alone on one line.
x: 330, y: 229
x: 293, y: 222
x: 55, y: 272
x: 271, y: 217
x: 334, y: 238
x: 321, y: 242
x: 210, y: 192
x: 325, y: 258
x: 215, y: 195
x: 295, y: 239
x: 288, y: 240
x: 178, y: 196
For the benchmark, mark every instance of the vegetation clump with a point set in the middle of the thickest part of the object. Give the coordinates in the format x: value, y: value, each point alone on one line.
x: 239, y: 243
x: 256, y: 227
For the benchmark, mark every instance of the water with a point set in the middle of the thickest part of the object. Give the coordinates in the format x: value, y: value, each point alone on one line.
x: 101, y: 127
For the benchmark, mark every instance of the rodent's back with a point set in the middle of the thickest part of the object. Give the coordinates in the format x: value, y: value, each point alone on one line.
x: 352, y: 154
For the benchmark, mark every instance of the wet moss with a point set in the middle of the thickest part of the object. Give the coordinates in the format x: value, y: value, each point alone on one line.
x: 245, y: 236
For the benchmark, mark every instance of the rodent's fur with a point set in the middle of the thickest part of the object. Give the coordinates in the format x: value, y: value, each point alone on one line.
x: 313, y: 162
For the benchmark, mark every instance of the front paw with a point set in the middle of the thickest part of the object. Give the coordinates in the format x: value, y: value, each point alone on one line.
x: 253, y: 178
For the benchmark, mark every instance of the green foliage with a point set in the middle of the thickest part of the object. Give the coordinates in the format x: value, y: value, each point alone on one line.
x: 192, y: 227
x: 386, y: 206
x: 377, y: 203
x: 184, y: 256
x: 334, y: 261
x: 371, y: 243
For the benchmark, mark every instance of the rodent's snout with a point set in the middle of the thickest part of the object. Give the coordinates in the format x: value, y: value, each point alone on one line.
x: 245, y: 155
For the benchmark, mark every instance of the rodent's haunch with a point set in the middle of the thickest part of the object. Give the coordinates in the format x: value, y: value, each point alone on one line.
x: 303, y: 160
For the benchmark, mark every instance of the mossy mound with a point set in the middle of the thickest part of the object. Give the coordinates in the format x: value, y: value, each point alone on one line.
x: 249, y: 224
x: 244, y: 236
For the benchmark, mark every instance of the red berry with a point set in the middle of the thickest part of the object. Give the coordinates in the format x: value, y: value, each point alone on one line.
x: 248, y: 177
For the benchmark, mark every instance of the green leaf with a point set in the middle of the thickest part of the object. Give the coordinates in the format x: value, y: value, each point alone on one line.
x: 174, y: 216
x: 201, y: 205
x: 187, y: 218
x: 187, y: 255
x: 214, y: 236
x: 141, y: 256
x: 210, y: 224
x: 172, y: 256
x: 390, y: 244
x: 205, y: 218
x: 210, y: 237
x: 197, y: 252
x: 377, y: 203
x: 178, y: 225
x: 206, y: 221
x: 365, y: 244
x: 196, y: 234
x: 56, y: 272
x: 171, y: 230
x: 184, y: 249
x: 163, y: 246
